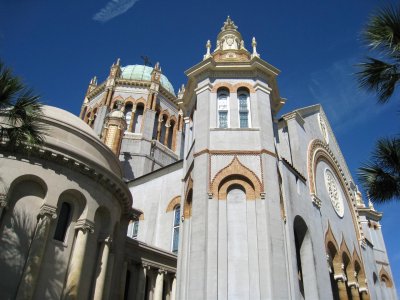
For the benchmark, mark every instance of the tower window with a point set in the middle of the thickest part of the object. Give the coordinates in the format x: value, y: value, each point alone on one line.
x: 223, y: 108
x: 175, y: 230
x: 243, y: 109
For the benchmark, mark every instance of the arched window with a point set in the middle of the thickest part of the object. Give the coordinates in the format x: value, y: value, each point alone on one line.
x: 128, y: 115
x: 223, y: 108
x: 64, y: 219
x: 138, y: 118
x: 175, y: 230
x: 305, y: 260
x: 162, y: 129
x: 244, y: 108
x: 171, y: 134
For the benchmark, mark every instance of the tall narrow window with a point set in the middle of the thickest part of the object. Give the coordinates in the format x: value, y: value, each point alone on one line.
x: 133, y: 229
x: 128, y: 116
x: 175, y: 234
x: 171, y: 135
x: 243, y: 109
x: 138, y: 119
x: 64, y: 219
x: 223, y: 108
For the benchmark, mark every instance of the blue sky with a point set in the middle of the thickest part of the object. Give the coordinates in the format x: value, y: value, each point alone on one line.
x: 57, y: 46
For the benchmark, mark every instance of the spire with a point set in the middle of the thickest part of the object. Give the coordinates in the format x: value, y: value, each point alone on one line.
x: 208, y: 47
x: 254, y: 45
x: 229, y: 38
x: 229, y: 25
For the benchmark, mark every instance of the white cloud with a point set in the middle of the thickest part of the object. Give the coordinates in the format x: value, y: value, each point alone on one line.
x: 336, y: 88
x: 113, y: 9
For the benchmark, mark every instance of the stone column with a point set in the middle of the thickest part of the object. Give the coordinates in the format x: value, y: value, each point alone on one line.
x: 341, y: 283
x: 355, y: 295
x: 74, y: 277
x: 173, y: 288
x: 132, y: 118
x: 158, y: 290
x: 33, y: 263
x: 165, y: 142
x: 141, y: 283
x: 102, y: 265
x: 159, y: 128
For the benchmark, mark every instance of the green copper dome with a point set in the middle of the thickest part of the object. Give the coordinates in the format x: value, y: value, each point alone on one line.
x: 139, y: 72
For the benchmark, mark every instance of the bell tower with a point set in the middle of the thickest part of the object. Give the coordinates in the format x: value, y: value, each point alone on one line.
x: 232, y: 242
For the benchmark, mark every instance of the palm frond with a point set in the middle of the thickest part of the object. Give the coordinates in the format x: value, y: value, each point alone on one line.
x: 381, y: 176
x: 378, y: 76
x: 383, y: 30
x: 20, y: 112
x: 10, y: 86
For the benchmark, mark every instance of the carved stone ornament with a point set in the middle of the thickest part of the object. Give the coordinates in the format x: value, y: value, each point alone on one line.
x: 334, y: 192
x: 48, y: 211
x: 85, y: 225
x: 3, y: 200
x: 324, y: 130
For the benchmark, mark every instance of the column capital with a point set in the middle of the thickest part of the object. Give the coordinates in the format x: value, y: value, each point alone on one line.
x: 85, y: 225
x: 47, y: 211
x: 3, y: 200
x: 340, y: 277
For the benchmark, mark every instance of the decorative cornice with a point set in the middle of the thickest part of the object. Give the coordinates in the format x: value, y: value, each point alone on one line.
x: 234, y: 152
x: 105, y: 178
x: 293, y: 169
x: 85, y: 225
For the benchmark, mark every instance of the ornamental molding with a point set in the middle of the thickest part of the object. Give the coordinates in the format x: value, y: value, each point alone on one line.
x: 49, y: 211
x: 319, y: 150
x: 85, y: 225
x: 97, y: 173
x: 236, y: 171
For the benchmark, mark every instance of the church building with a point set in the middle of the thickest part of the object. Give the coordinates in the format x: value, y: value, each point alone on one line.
x: 209, y: 193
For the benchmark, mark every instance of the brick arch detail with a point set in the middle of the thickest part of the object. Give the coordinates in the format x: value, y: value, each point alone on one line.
x: 361, y: 274
x: 173, y: 203
x: 247, y: 85
x: 141, y: 100
x: 130, y: 100
x: 236, y: 171
x: 232, y: 87
x: 187, y: 206
x: 382, y: 274
x: 336, y: 260
x: 320, y: 151
x: 116, y: 99
x: 219, y: 85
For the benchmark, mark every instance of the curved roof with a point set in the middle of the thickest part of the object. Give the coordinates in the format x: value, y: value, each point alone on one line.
x: 68, y: 118
x: 140, y: 72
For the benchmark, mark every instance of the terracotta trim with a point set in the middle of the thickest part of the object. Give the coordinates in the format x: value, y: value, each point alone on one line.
x: 173, y: 203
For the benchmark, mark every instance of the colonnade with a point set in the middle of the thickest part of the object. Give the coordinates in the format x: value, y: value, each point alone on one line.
x: 149, y: 282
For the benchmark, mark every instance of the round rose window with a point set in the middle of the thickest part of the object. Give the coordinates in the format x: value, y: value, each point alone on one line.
x: 334, y: 193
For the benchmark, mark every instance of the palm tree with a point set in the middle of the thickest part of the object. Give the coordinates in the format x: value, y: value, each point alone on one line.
x: 381, y: 176
x: 20, y: 112
x: 382, y: 34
